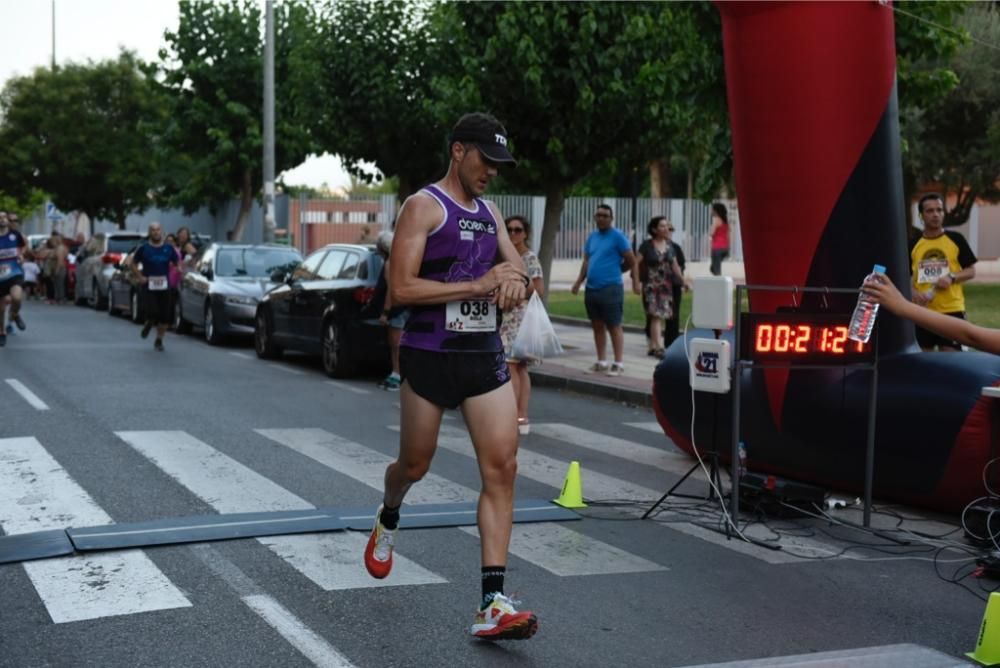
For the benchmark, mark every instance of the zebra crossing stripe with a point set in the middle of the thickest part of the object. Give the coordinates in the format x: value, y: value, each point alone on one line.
x: 36, y: 494
x: 555, y: 548
x: 27, y: 394
x: 673, y: 461
x: 551, y: 471
x: 332, y: 560
x: 646, y: 426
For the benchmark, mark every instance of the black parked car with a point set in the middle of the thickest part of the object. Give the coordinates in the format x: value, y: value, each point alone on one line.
x: 319, y: 309
x: 223, y: 285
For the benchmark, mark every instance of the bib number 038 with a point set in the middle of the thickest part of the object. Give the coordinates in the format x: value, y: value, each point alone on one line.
x: 471, y: 315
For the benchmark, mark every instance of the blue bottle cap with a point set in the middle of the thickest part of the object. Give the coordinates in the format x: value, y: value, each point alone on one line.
x: 878, y: 269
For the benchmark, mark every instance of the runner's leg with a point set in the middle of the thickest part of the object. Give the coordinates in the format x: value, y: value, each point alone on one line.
x: 420, y: 421
x: 492, y: 422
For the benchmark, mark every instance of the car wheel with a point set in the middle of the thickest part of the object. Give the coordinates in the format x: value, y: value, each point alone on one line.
x: 211, y: 331
x: 181, y: 326
x: 134, y: 307
x: 336, y: 361
x: 263, y: 342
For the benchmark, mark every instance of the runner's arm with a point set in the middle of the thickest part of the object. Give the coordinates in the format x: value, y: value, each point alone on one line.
x: 957, y: 329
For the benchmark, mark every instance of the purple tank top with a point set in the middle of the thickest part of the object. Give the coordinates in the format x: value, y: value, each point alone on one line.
x: 462, y: 248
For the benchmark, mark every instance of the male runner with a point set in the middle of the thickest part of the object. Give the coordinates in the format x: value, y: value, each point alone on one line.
x: 443, y: 267
x: 156, y: 258
x: 11, y: 275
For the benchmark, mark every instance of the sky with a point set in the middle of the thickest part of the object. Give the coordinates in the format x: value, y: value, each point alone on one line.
x: 95, y: 30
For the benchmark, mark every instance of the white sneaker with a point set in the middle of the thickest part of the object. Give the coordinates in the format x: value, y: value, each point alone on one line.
x: 616, y: 369
x: 501, y: 621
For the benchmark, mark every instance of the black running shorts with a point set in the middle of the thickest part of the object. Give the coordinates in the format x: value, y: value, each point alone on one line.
x: 8, y: 285
x: 158, y: 306
x: 448, y: 379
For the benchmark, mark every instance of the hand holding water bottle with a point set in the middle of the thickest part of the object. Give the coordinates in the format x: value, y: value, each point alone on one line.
x: 863, y: 319
x: 882, y: 291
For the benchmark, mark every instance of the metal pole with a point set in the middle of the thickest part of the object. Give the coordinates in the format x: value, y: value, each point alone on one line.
x: 870, y: 449
x: 269, y: 223
x: 53, y: 35
x: 734, y: 464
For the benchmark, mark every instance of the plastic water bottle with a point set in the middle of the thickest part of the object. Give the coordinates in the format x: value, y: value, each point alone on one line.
x: 743, y: 459
x: 863, y: 320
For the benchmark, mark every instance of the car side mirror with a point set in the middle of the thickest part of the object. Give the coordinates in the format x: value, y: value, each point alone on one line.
x: 208, y: 273
x: 277, y: 276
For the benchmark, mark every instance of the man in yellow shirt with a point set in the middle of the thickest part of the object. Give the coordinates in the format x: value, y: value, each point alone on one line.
x: 940, y: 261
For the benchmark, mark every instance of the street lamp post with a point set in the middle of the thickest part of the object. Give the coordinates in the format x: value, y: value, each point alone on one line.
x: 269, y: 223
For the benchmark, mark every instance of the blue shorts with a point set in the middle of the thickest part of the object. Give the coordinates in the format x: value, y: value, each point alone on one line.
x: 606, y: 304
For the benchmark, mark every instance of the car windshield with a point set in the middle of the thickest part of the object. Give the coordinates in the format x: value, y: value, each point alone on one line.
x: 122, y: 244
x: 255, y: 262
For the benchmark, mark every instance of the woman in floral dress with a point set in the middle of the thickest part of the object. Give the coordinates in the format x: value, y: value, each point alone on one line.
x: 519, y: 230
x: 657, y: 267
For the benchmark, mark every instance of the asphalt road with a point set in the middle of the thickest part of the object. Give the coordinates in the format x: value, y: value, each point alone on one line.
x: 197, y: 430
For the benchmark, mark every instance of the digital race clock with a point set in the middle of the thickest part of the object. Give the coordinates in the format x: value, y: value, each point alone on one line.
x: 804, y: 338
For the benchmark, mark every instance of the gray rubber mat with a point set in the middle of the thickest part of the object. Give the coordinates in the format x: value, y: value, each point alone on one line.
x: 206, y: 528
x: 35, y: 545
x: 431, y: 515
x: 886, y: 656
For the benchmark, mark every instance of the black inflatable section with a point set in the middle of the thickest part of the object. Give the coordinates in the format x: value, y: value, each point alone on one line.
x: 926, y: 452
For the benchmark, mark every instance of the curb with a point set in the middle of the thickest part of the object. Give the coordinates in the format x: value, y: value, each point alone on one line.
x: 627, y: 395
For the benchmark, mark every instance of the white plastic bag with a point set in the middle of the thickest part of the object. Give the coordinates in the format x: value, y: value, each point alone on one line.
x: 536, y: 339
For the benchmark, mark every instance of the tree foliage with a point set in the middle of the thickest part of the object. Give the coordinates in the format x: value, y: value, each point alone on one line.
x: 953, y: 140
x: 378, y: 105
x: 81, y: 134
x: 575, y: 83
x: 212, y: 70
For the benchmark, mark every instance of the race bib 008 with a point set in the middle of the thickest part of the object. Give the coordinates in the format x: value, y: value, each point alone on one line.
x: 929, y: 271
x: 471, y: 315
x: 157, y: 282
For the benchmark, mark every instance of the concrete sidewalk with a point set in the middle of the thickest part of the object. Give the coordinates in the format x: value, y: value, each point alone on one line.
x: 571, y: 371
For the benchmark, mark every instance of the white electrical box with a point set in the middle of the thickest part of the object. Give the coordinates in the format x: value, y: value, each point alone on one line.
x: 713, y: 302
x: 709, y: 365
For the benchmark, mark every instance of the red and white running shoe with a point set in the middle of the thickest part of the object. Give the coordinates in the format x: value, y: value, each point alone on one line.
x: 501, y: 621
x: 378, y: 551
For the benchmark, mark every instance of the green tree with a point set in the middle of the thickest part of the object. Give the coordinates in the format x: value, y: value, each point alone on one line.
x: 575, y: 83
x: 378, y: 102
x: 25, y: 205
x: 81, y: 133
x: 955, y: 142
x: 212, y: 70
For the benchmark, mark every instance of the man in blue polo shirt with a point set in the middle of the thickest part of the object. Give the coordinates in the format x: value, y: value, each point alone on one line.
x: 603, y: 253
x: 156, y: 258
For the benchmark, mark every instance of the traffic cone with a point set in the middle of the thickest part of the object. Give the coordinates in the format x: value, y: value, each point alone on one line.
x: 988, y: 647
x: 572, y: 489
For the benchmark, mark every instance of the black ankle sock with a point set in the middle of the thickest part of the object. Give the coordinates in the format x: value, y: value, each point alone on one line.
x: 492, y: 582
x: 389, y: 517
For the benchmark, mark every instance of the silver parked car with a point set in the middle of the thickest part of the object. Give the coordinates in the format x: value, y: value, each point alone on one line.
x: 95, y: 263
x: 223, y: 285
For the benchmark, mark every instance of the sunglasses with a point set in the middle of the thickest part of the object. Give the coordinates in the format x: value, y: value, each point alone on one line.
x: 512, y: 230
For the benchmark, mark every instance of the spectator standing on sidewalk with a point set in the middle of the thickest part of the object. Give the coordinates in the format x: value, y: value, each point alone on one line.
x: 519, y: 231
x: 672, y: 326
x: 719, y: 235
x: 658, y: 265
x: 393, y: 317
x: 604, y: 297
x: 55, y: 267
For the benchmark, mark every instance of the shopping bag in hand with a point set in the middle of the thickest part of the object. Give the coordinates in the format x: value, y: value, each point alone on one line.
x: 536, y: 339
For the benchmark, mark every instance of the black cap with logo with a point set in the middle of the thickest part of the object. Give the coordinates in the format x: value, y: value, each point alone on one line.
x: 487, y: 133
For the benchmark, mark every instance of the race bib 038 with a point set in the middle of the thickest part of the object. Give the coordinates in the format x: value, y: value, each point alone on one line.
x: 471, y: 315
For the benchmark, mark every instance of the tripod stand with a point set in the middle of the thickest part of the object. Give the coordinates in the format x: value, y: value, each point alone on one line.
x: 714, y: 477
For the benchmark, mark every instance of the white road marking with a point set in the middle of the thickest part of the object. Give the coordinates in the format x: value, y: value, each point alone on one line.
x: 27, y: 394
x: 286, y: 369
x: 242, y: 356
x: 36, y: 494
x: 300, y: 636
x: 331, y: 560
x: 349, y: 388
x: 646, y: 426
x: 555, y: 548
x: 665, y: 460
x: 291, y: 628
